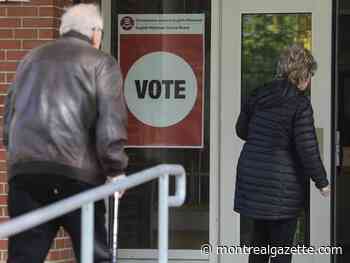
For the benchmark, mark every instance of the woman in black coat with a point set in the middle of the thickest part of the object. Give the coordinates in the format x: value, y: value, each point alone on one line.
x: 280, y: 153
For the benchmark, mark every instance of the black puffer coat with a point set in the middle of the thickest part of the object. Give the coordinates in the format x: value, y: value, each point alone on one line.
x: 280, y: 154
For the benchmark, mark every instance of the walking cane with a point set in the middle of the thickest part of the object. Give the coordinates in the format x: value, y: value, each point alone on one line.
x: 114, y: 242
x: 113, y: 206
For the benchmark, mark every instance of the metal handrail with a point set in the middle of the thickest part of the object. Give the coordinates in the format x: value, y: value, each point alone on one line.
x: 86, y: 200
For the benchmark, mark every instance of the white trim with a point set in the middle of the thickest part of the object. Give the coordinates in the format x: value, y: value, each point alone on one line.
x: 156, y: 261
x: 230, y: 146
x: 321, y: 97
x: 167, y: 146
x: 160, y: 24
x: 230, y: 103
x: 106, y: 7
x: 215, y: 93
x: 14, y: 1
x: 175, y: 254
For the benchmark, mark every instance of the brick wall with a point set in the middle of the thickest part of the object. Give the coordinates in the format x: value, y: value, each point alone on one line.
x: 24, y: 26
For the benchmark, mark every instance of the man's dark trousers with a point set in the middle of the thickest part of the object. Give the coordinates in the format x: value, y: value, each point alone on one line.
x: 29, y: 192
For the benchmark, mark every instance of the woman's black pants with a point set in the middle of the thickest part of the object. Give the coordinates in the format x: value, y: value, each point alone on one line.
x: 273, y: 234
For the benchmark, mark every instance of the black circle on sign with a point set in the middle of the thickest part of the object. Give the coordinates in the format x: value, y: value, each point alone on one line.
x: 127, y: 23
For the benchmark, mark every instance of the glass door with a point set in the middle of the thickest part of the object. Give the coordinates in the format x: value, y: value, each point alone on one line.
x: 253, y: 34
x: 163, y: 48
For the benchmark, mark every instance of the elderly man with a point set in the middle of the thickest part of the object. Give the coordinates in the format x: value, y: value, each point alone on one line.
x: 65, y: 130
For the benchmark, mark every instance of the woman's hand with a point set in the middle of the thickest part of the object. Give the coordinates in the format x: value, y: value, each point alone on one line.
x: 325, y: 191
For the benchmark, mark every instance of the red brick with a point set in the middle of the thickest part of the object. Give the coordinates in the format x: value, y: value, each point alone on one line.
x: 59, y: 243
x: 2, y: 99
x: 10, y: 44
x: 8, y: 66
x: 2, y: 11
x: 30, y: 44
x: 68, y: 2
x: 3, y: 244
x: 2, y: 55
x: 2, y: 78
x: 4, y: 219
x: 25, y: 33
x: 65, y: 253
x: 44, y: 2
x: 3, y: 88
x: 22, y: 11
x: 67, y: 241
x: 50, y: 11
x: 10, y: 22
x: 3, y: 177
x: 3, y: 167
x: 48, y: 34
x: 6, y: 33
x: 10, y: 77
x: 54, y: 255
x: 11, y: 3
x: 40, y: 22
x: 15, y: 55
x: 4, y: 212
x: 3, y: 198
x: 3, y: 186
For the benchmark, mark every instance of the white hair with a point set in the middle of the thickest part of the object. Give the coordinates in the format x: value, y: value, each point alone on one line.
x: 83, y: 18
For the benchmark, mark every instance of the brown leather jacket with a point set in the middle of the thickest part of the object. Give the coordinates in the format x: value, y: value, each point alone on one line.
x: 65, y: 113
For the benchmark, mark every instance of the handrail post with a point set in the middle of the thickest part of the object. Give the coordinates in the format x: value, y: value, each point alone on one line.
x: 87, y: 233
x: 86, y: 199
x: 163, y: 217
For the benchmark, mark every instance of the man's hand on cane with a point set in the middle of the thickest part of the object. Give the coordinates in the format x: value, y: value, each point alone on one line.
x: 114, y: 179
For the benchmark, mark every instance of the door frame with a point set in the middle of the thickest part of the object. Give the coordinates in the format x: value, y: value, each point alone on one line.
x: 230, y: 51
x: 222, y: 125
x: 181, y: 255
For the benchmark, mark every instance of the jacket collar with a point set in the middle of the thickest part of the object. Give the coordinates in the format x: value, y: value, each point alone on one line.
x: 77, y: 35
x: 288, y: 89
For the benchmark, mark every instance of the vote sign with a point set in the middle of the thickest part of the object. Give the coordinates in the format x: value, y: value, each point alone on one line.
x: 163, y: 85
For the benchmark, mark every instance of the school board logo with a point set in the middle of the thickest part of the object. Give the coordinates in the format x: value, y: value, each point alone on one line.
x: 127, y: 23
x: 160, y: 89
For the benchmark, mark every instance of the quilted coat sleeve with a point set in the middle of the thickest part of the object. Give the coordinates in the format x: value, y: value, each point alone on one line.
x: 306, y: 144
x: 242, y: 123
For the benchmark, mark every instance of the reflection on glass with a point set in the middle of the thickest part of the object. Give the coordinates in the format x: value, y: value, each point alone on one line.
x: 264, y: 36
x: 138, y: 215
